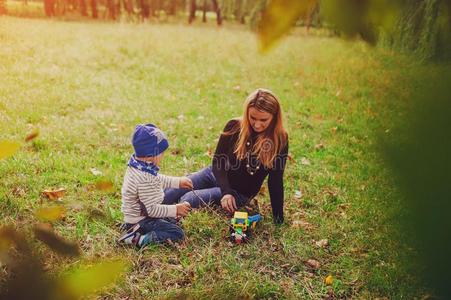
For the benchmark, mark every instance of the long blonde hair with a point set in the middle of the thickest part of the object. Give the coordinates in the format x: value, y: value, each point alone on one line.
x: 271, y: 141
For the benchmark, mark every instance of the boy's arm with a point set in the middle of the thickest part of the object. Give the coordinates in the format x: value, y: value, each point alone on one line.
x: 169, y: 181
x: 150, y: 197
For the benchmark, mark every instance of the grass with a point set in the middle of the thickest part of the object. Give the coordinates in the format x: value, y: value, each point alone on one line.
x: 85, y: 87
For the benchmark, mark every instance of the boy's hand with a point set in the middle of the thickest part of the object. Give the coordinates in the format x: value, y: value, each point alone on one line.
x: 228, y: 203
x: 186, y: 183
x: 183, y: 209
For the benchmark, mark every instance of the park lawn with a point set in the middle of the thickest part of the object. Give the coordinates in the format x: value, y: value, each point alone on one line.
x: 85, y: 86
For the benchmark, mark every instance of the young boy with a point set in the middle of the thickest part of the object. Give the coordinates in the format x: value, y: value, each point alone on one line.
x: 147, y: 220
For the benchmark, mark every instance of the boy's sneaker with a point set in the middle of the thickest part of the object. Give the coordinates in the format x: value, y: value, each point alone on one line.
x: 132, y: 236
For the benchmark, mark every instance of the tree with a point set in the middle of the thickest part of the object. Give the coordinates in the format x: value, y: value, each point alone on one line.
x: 2, y: 7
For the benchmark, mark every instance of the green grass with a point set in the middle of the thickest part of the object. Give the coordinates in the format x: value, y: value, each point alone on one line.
x: 85, y: 87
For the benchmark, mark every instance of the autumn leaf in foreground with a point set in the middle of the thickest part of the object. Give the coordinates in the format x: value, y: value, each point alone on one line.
x: 46, y: 235
x: 54, y: 194
x: 8, y: 148
x: 50, y: 213
x: 329, y: 280
x: 32, y: 135
x: 278, y: 17
x: 87, y: 281
x: 313, y: 263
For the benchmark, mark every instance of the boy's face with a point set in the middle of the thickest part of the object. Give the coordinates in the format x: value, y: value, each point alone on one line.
x: 157, y: 159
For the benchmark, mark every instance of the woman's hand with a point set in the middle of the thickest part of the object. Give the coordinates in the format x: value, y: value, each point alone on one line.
x: 183, y: 209
x: 228, y: 203
x: 186, y: 183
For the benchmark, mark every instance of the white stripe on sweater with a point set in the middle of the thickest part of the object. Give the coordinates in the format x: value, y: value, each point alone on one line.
x: 142, y: 195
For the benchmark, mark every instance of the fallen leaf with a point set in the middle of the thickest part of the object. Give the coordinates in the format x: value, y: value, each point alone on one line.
x: 104, y: 185
x: 181, y: 117
x: 334, y: 129
x: 322, y: 243
x: 96, y: 172
x: 8, y: 148
x: 313, y: 263
x: 278, y: 17
x: 54, y: 194
x: 305, y: 161
x: 237, y: 88
x: 319, y: 146
x: 291, y: 158
x: 298, y: 194
x: 46, y: 235
x: 301, y: 224
x: 32, y: 135
x: 50, y: 213
x: 329, y: 280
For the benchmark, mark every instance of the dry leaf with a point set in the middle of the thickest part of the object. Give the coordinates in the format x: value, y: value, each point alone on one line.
x: 278, y: 17
x: 50, y: 213
x: 322, y: 243
x: 54, y: 194
x: 301, y: 224
x: 237, y: 88
x: 32, y: 135
x: 319, y: 146
x: 46, y: 235
x: 104, y: 185
x: 298, y: 194
x: 329, y: 280
x: 291, y: 158
x: 8, y: 148
x: 313, y: 263
x: 96, y: 172
x: 305, y: 161
x: 334, y: 129
x: 181, y: 117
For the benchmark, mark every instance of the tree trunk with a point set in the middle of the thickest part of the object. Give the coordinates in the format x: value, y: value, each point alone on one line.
x: 145, y: 9
x: 192, y: 11
x: 3, y: 10
x: 94, y: 9
x: 49, y: 8
x: 204, y: 12
x: 218, y: 12
x: 83, y: 8
x: 111, y: 9
x: 172, y: 11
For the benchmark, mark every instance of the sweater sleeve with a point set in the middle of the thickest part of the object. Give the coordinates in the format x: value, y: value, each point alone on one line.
x: 169, y: 181
x: 150, y: 197
x: 275, y: 185
x: 221, y: 160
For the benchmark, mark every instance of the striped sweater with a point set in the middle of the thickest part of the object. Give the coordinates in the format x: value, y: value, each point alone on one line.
x: 142, y: 195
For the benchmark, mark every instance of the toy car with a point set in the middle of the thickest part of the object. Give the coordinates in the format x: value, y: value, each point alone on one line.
x: 240, y: 231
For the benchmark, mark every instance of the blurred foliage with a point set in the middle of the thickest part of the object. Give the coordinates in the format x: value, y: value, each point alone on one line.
x: 419, y: 154
x: 27, y: 278
x: 421, y: 27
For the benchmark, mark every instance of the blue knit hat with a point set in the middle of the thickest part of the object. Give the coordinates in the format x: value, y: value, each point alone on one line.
x: 148, y: 140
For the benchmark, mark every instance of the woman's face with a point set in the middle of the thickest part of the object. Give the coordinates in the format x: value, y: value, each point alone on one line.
x: 259, y: 120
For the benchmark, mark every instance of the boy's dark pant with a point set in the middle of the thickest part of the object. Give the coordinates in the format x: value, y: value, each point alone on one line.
x: 159, y: 230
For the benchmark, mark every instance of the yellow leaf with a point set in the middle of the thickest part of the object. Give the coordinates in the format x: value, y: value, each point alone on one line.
x: 8, y: 148
x: 104, y: 185
x: 329, y: 279
x: 50, y: 213
x: 278, y: 17
x: 87, y: 281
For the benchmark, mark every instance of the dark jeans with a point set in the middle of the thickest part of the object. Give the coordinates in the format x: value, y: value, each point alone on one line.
x: 206, y: 188
x: 159, y: 230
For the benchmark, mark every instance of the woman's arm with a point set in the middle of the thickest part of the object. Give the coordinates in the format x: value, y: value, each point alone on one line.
x: 275, y: 185
x: 220, y: 161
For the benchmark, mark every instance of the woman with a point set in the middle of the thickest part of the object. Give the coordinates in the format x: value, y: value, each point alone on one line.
x: 250, y: 149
